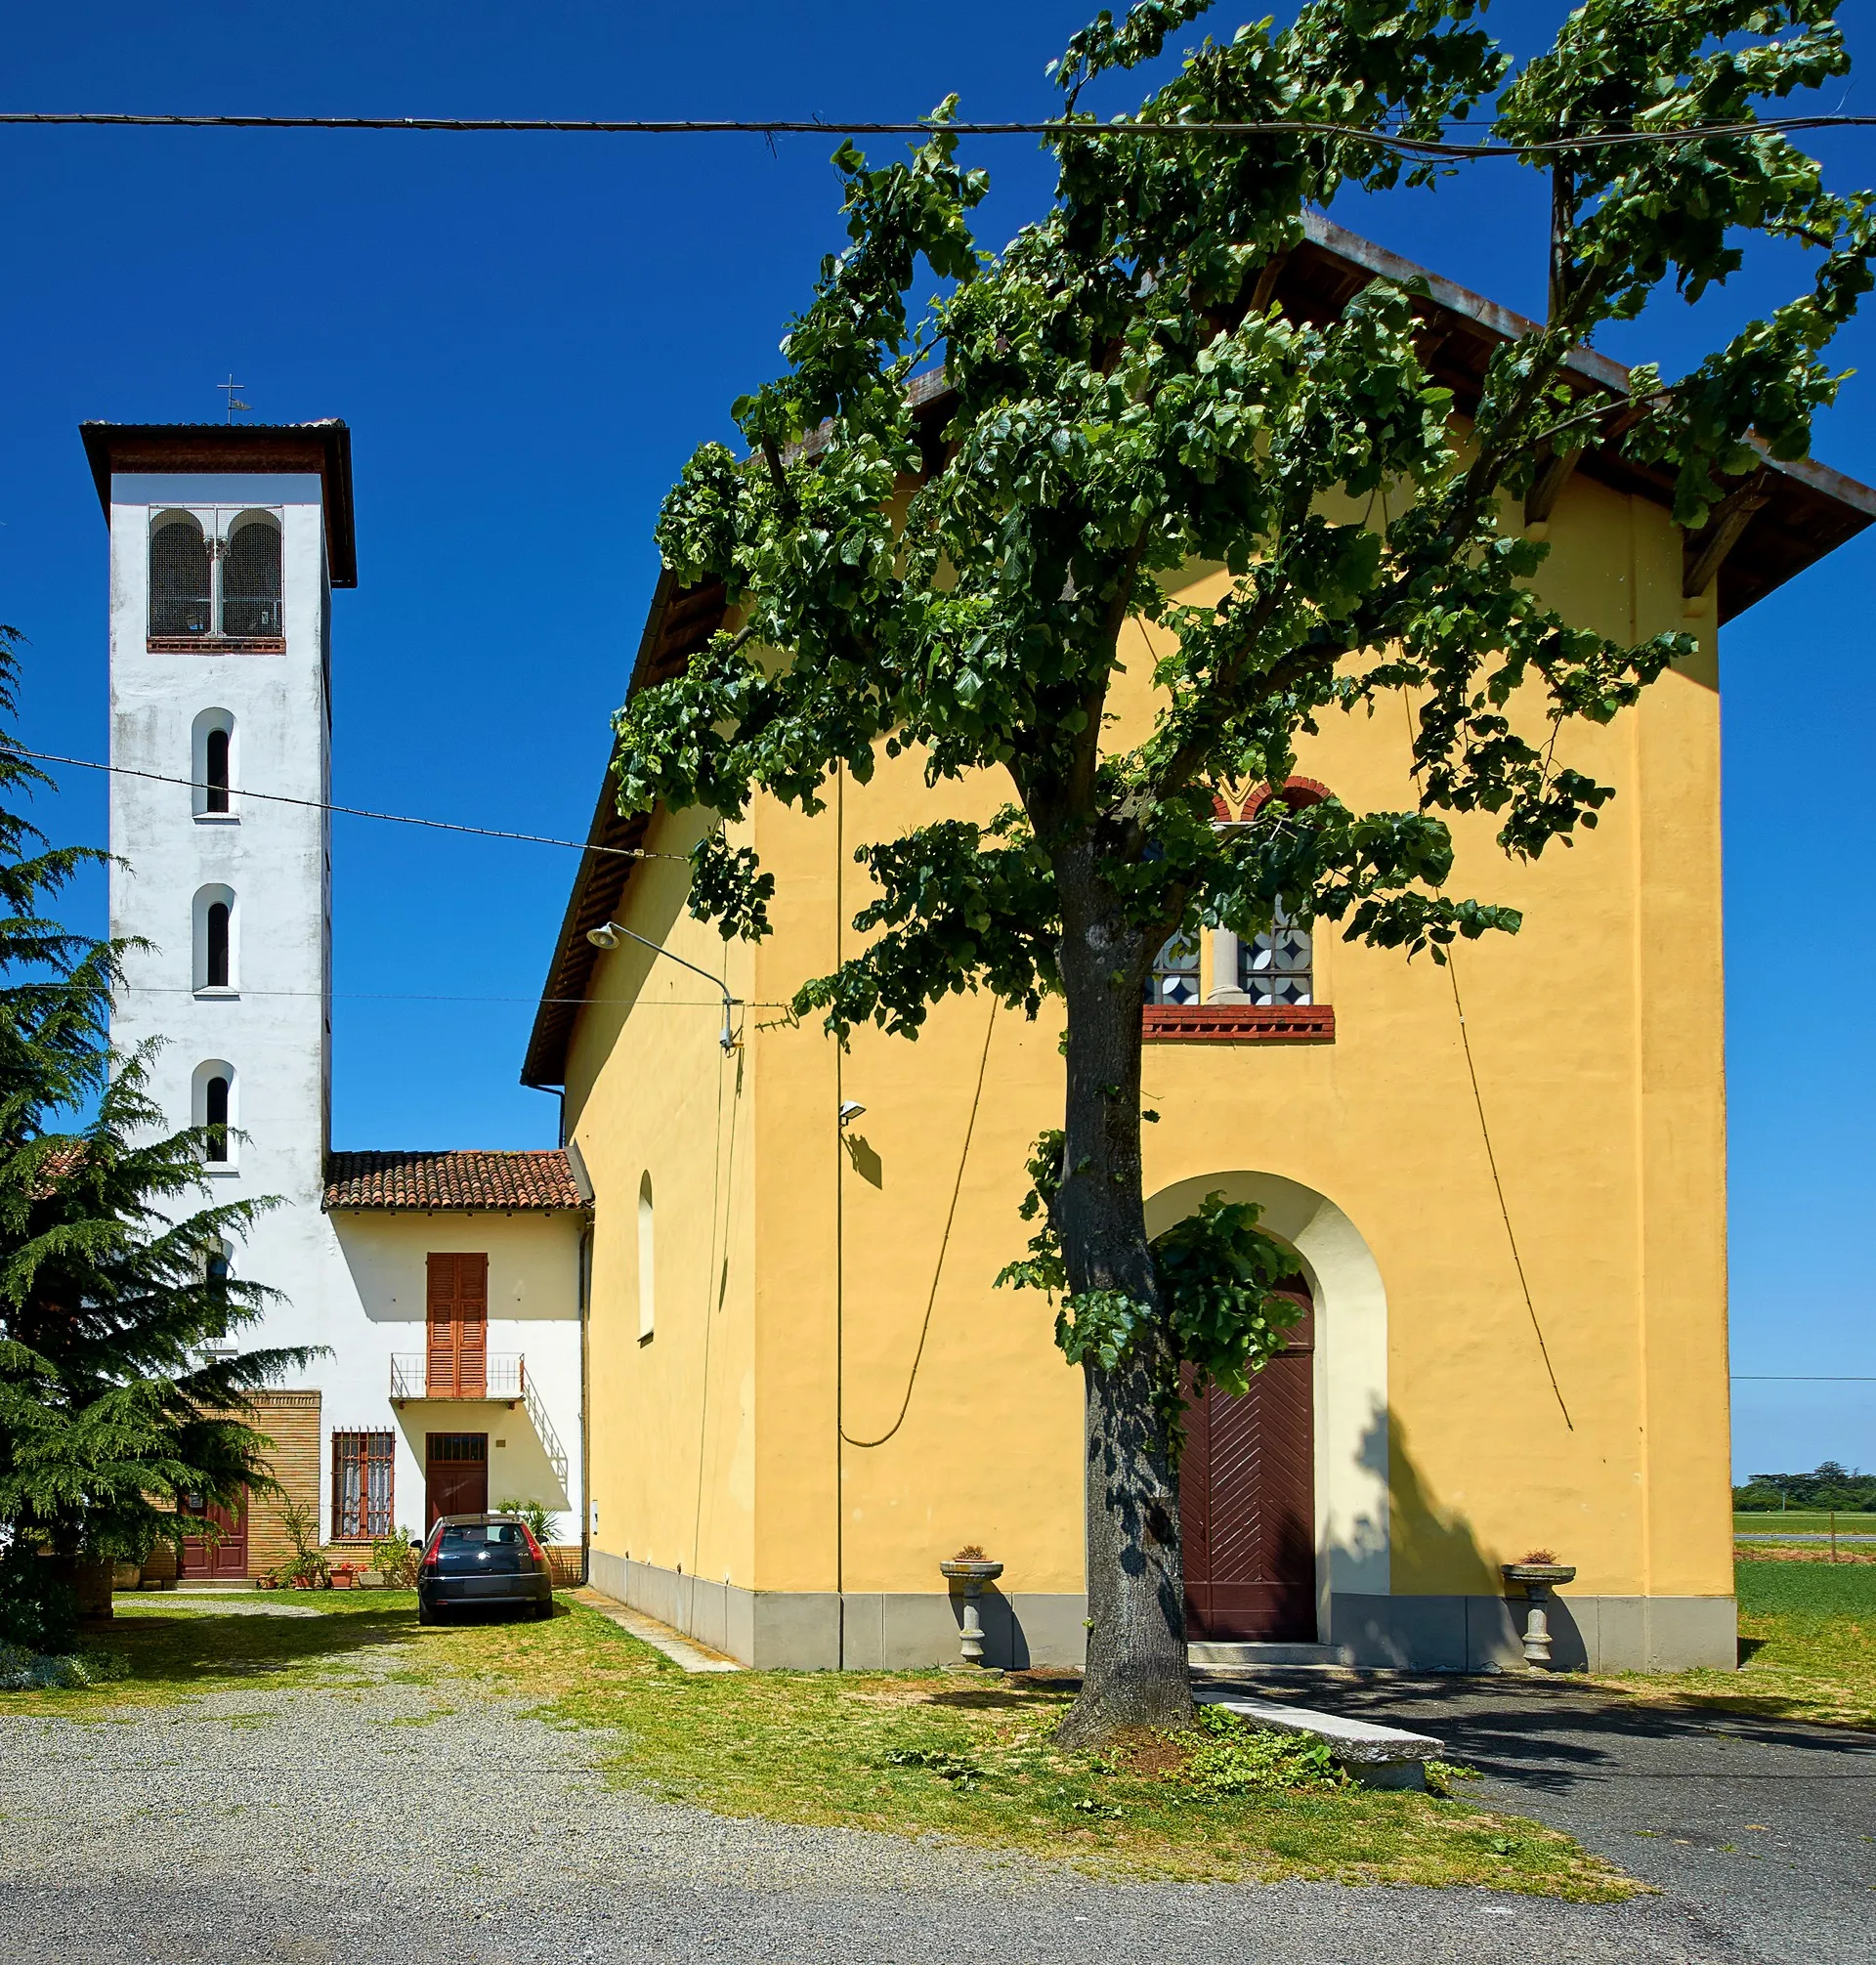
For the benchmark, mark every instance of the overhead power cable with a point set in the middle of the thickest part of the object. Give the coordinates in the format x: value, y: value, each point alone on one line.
x: 1424, y: 147
x: 350, y: 811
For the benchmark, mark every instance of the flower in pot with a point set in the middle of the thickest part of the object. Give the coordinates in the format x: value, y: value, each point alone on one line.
x: 1540, y: 1572
x: 969, y: 1571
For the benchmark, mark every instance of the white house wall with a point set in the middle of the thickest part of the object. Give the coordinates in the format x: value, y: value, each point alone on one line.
x: 533, y: 1295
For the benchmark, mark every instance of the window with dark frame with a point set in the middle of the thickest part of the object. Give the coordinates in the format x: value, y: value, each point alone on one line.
x: 363, y: 1465
x: 215, y: 1117
x: 216, y: 934
x: 215, y: 772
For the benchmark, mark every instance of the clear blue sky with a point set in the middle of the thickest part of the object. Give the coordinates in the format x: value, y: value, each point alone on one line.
x: 529, y: 335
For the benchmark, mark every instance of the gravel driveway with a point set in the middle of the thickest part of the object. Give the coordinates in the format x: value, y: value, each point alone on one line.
x: 374, y: 1824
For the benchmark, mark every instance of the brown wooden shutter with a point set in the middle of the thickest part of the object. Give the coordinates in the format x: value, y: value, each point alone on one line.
x: 457, y: 1313
x: 440, y: 1314
x: 472, y: 1326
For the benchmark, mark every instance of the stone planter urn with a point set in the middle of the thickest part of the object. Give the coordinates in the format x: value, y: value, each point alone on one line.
x: 1539, y: 1580
x: 967, y: 1575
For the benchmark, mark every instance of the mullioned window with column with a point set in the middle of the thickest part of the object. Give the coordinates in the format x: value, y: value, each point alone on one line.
x: 1252, y: 989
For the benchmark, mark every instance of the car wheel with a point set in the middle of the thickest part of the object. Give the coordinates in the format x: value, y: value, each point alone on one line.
x: 425, y: 1615
x: 543, y: 1612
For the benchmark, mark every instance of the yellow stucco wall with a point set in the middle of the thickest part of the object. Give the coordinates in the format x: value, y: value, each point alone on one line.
x: 795, y: 1267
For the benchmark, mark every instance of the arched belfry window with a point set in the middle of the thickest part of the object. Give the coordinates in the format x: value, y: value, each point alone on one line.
x: 181, y: 600
x: 251, y: 577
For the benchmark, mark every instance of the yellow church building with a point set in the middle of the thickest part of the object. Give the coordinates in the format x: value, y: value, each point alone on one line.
x: 1503, y: 1182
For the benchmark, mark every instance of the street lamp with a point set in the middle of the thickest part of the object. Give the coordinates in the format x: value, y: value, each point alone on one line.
x: 607, y: 937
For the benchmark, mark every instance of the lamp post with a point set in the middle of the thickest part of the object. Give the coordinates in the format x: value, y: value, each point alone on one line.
x: 607, y: 937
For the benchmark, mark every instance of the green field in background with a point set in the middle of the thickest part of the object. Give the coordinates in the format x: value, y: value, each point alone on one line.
x: 1805, y: 1521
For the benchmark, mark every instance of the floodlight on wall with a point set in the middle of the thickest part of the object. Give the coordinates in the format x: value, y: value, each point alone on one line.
x: 606, y: 936
x: 850, y: 1110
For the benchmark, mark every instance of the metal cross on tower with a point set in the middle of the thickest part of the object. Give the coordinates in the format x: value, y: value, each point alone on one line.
x: 233, y: 401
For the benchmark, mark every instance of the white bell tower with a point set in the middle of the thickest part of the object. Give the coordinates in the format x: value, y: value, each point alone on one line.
x: 226, y: 544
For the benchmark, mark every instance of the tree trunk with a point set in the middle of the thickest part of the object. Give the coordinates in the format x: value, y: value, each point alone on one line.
x: 1137, y: 1672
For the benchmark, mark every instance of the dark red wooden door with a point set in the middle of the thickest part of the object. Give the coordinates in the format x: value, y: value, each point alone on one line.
x: 455, y: 1475
x: 203, y: 1560
x: 1248, y: 1500
x: 457, y: 1318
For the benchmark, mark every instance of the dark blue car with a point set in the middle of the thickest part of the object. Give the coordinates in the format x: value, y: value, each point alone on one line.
x: 473, y: 1561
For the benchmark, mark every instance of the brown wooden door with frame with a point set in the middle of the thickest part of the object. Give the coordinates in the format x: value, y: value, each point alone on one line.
x: 456, y: 1322
x: 1248, y: 1499
x: 455, y: 1475
x: 205, y: 1561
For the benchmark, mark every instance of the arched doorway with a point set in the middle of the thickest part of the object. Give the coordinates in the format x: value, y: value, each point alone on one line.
x: 1247, y: 1498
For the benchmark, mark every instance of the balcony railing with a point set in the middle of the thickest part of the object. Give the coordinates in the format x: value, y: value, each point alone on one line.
x: 504, y: 1375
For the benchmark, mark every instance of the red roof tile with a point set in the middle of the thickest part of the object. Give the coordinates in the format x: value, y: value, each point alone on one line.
x: 469, y: 1180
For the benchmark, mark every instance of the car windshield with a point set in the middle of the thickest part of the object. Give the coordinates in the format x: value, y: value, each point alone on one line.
x: 485, y: 1534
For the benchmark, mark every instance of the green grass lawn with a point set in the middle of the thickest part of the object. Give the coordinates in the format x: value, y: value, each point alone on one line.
x: 1807, y: 1643
x: 963, y: 1755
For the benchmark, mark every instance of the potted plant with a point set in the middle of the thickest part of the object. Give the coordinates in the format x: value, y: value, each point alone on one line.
x: 394, y: 1561
x: 968, y: 1573
x: 1540, y: 1572
x: 308, y: 1569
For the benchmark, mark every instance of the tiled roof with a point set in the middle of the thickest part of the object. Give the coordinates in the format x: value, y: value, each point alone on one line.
x: 469, y: 1180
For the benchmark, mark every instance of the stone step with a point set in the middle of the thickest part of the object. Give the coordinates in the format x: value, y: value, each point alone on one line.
x: 1209, y: 1655
x: 1377, y: 1756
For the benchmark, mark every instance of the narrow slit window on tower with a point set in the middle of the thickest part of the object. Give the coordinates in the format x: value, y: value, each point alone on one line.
x: 251, y: 579
x: 180, y: 596
x: 215, y: 772
x: 215, y: 1118
x: 216, y: 935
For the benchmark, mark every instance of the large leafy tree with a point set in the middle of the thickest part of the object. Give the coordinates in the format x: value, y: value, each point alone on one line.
x: 123, y: 1405
x: 1131, y: 396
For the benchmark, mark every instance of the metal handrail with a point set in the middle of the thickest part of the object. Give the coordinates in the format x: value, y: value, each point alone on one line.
x: 504, y: 1375
x: 544, y: 1427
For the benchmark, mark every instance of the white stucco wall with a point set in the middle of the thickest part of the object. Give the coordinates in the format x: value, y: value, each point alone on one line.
x: 534, y: 1291
x: 353, y: 1293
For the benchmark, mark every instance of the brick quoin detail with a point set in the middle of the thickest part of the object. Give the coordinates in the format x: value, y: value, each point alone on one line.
x: 291, y: 1421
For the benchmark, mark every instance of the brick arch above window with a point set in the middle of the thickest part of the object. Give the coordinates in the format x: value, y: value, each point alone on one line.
x: 1297, y: 793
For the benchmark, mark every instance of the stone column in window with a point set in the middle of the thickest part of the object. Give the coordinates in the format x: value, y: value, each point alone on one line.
x: 1224, y: 969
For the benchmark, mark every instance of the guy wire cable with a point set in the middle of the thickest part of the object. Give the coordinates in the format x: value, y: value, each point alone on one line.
x: 926, y: 126
x: 9, y: 750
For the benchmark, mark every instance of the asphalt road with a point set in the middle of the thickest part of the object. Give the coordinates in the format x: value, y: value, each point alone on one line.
x: 1760, y: 1832
x: 389, y: 1823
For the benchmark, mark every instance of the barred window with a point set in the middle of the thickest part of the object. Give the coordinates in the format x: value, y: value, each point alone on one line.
x: 1279, y: 967
x: 251, y: 579
x: 180, y: 600
x: 361, y: 1467
x: 1174, y: 978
